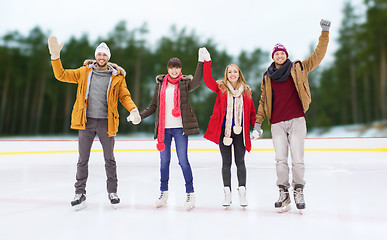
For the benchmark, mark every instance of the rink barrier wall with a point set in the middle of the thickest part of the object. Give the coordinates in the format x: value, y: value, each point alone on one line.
x: 25, y: 147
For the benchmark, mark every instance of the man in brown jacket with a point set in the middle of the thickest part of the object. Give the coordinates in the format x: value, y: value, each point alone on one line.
x: 285, y: 98
x: 100, y: 85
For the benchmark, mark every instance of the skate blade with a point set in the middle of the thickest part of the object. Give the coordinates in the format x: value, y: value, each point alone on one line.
x: 189, y: 208
x: 158, y: 205
x: 226, y: 205
x: 80, y: 206
x: 283, y: 209
x: 114, y: 206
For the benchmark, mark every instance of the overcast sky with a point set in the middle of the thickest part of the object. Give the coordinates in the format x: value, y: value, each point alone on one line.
x: 233, y: 25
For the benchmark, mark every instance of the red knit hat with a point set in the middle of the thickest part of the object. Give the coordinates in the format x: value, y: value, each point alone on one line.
x: 279, y: 47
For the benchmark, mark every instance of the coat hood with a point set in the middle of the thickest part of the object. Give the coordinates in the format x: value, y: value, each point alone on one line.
x: 90, y: 62
x: 159, y: 78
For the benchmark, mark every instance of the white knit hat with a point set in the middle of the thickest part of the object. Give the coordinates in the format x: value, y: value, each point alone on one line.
x: 102, y: 48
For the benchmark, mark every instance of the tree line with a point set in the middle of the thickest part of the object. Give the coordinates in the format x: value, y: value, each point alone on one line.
x: 350, y: 90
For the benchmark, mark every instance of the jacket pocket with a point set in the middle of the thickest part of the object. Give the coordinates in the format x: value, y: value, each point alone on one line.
x: 78, y: 116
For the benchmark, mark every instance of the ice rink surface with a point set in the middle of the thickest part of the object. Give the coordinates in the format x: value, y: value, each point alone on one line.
x: 345, y: 193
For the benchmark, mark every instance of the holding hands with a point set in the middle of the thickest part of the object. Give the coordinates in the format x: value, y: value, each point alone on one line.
x: 204, y: 55
x: 257, y: 132
x: 325, y: 25
x: 134, y: 117
x: 54, y: 47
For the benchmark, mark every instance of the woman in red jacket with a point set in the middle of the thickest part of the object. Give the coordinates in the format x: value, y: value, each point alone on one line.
x: 233, y: 114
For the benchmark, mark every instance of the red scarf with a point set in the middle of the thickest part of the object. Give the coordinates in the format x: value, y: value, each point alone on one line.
x: 175, y: 111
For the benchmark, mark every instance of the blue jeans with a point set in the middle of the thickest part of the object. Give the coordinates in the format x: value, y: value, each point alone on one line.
x: 181, y: 143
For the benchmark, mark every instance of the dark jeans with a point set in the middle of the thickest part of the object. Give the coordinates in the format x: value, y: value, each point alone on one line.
x: 239, y: 155
x: 85, y: 141
x: 181, y: 143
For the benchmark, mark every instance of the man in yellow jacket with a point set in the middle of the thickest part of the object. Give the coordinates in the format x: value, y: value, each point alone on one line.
x: 285, y: 98
x: 100, y: 85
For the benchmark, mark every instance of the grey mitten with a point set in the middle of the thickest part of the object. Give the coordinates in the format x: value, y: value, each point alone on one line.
x: 257, y: 132
x: 325, y: 25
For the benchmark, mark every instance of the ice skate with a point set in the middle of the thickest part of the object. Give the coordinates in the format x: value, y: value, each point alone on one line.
x: 227, y: 197
x: 79, y: 202
x: 298, y: 193
x: 162, y: 200
x: 283, y: 202
x: 242, y: 196
x: 190, y: 202
x: 114, y: 200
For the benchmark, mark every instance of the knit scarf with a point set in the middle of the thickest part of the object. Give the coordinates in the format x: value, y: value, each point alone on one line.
x: 280, y: 74
x: 175, y: 111
x: 236, y: 110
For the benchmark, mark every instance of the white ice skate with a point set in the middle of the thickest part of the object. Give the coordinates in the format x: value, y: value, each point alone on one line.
x: 283, y: 202
x: 162, y: 200
x: 190, y: 202
x: 242, y: 196
x: 227, y: 197
x: 79, y: 202
x: 114, y: 200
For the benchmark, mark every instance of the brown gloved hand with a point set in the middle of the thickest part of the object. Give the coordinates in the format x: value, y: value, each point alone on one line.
x: 54, y: 47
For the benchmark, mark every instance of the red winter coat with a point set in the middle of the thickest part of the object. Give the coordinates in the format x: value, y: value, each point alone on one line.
x: 216, y: 120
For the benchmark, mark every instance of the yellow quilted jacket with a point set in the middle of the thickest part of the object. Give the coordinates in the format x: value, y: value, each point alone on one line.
x: 81, y: 76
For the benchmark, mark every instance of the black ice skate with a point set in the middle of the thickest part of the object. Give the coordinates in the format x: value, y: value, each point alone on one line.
x: 114, y: 200
x: 79, y: 202
x: 299, y: 196
x: 283, y: 202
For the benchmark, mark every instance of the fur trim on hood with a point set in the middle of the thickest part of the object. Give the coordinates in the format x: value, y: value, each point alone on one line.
x: 159, y: 78
x: 88, y: 62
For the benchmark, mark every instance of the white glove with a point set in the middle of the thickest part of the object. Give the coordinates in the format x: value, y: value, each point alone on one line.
x: 325, y: 25
x: 54, y: 47
x: 205, y: 54
x: 257, y: 132
x: 201, y: 57
x: 134, y: 117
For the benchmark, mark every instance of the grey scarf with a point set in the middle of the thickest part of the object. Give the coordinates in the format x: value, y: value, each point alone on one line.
x: 281, y: 74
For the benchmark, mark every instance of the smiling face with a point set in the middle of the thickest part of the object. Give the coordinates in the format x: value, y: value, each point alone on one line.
x: 279, y: 58
x: 233, y: 75
x: 174, y: 72
x: 102, y: 60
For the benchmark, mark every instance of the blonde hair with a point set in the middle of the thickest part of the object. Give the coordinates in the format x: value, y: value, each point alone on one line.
x: 241, y: 81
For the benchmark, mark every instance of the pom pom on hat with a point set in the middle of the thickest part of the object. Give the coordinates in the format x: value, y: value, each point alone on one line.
x: 102, y: 48
x: 279, y: 47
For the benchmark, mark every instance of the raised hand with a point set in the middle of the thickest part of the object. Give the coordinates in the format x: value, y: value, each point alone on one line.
x: 54, y: 47
x: 325, y: 25
x: 205, y: 54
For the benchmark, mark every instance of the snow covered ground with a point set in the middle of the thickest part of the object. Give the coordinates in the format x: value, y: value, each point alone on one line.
x: 375, y: 129
x: 345, y: 193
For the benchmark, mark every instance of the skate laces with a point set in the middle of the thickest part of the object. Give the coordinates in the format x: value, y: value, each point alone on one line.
x: 113, y: 195
x: 299, y: 196
x: 283, y: 196
x: 161, y: 195
x: 77, y: 196
x: 189, y: 197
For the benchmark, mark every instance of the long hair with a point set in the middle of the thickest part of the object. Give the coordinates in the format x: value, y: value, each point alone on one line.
x: 241, y: 81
